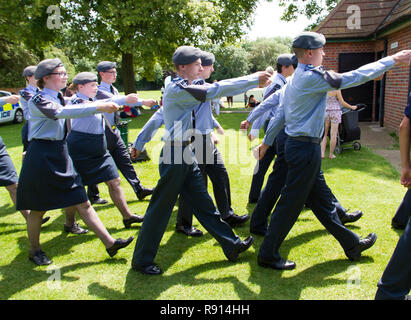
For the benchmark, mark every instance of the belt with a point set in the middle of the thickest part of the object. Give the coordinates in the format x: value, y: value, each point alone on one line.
x: 307, y: 139
x: 177, y: 143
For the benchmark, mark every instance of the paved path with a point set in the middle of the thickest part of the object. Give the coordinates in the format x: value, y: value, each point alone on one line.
x: 378, y: 139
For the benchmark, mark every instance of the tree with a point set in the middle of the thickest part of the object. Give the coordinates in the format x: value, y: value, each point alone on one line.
x: 143, y: 33
x: 231, y: 62
x: 263, y: 52
x: 318, y: 9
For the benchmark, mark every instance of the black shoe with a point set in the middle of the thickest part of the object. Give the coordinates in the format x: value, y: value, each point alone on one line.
x: 118, y: 244
x: 235, y: 220
x: 151, y: 269
x: 135, y: 218
x: 281, y: 264
x: 39, y: 258
x: 189, y: 231
x: 143, y: 156
x: 243, y: 247
x: 98, y: 201
x: 44, y: 220
x: 144, y: 192
x: 257, y: 232
x: 366, y: 243
x: 397, y: 225
x: 75, y: 228
x: 351, y: 217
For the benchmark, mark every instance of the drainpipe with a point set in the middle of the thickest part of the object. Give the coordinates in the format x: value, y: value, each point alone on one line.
x: 382, y: 88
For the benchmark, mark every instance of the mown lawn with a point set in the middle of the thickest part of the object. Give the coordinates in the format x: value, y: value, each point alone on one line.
x: 196, y: 268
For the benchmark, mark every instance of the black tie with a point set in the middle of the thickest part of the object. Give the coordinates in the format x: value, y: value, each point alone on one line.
x: 67, y: 123
x: 193, y: 115
x: 112, y: 89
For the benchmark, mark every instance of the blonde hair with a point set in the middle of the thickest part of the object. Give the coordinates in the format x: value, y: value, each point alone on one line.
x: 299, y: 52
x: 270, y: 70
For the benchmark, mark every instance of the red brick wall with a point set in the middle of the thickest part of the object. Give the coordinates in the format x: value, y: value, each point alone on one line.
x: 396, y: 89
x: 397, y: 80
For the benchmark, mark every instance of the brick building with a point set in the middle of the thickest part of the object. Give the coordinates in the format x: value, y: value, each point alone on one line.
x: 362, y: 31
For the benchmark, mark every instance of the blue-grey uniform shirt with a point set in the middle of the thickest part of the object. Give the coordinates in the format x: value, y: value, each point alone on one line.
x: 178, y: 103
x: 94, y: 123
x: 306, y: 93
x: 47, y: 115
x: 26, y: 94
x: 113, y: 91
x: 278, y: 82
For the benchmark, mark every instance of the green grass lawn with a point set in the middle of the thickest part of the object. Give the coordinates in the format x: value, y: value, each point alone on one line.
x: 196, y: 268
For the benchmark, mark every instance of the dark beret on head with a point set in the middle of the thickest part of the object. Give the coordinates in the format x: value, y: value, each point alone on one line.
x: 186, y: 55
x: 85, y: 77
x: 103, y: 66
x: 309, y: 40
x: 207, y: 58
x: 29, y: 71
x: 285, y: 59
x: 46, y: 67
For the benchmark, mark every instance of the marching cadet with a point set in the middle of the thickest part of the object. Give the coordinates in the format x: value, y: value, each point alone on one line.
x: 286, y: 64
x: 115, y: 145
x: 179, y: 172
x: 395, y: 283
x: 48, y: 180
x: 87, y: 144
x: 209, y: 158
x: 26, y: 94
x: 303, y: 115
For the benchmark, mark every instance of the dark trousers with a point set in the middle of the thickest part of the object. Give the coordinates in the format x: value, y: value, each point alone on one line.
x: 121, y: 157
x: 404, y: 210
x: 261, y: 169
x: 184, y: 179
x: 211, y: 165
x: 25, y: 135
x: 395, y: 282
x: 303, y: 182
x: 273, y: 187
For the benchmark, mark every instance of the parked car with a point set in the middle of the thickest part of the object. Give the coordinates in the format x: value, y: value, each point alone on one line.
x: 9, y: 112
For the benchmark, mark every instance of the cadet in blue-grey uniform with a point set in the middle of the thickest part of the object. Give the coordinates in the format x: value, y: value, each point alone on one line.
x: 395, y: 282
x: 209, y: 158
x: 178, y: 167
x: 276, y: 179
x: 116, y: 145
x: 26, y: 94
x: 303, y: 115
x: 47, y: 179
x: 88, y: 147
x: 286, y: 63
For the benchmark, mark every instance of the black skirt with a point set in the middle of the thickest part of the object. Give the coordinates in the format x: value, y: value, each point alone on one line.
x: 8, y: 174
x: 47, y: 179
x: 91, y: 158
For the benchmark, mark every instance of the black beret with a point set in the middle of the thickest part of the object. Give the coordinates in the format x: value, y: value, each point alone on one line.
x: 46, y: 67
x: 29, y: 71
x: 186, y: 55
x: 85, y: 77
x: 207, y: 58
x: 294, y: 59
x: 285, y: 59
x: 309, y: 40
x: 103, y: 66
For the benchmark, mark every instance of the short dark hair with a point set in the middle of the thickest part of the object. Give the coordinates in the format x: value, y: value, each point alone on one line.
x: 279, y: 68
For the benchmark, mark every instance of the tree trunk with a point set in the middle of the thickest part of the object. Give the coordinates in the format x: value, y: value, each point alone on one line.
x: 127, y: 72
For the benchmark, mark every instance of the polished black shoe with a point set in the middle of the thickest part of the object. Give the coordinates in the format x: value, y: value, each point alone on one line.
x: 44, y: 220
x: 189, y: 231
x: 397, y: 225
x: 235, y: 220
x: 144, y: 192
x: 281, y: 264
x: 39, y: 258
x: 366, y: 243
x: 134, y: 219
x: 243, y: 247
x: 75, y: 228
x: 351, y: 217
x: 151, y: 269
x: 98, y: 201
x: 118, y: 244
x: 257, y: 232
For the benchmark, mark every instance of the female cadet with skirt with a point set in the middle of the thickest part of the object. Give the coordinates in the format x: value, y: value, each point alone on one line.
x: 47, y: 179
x: 87, y: 143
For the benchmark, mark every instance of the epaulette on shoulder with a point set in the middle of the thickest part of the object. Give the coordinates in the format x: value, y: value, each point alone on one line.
x: 37, y: 98
x: 77, y: 100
